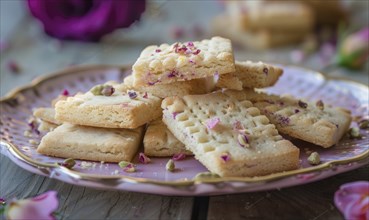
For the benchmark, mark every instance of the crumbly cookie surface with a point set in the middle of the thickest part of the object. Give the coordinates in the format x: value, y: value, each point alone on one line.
x: 183, y: 61
x: 250, y: 75
x: 228, y: 136
x: 160, y: 142
x: 312, y: 122
x: 129, y: 109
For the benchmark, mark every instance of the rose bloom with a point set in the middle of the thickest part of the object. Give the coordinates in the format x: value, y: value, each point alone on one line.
x: 86, y: 20
x: 354, y: 50
x: 352, y: 199
x: 39, y: 207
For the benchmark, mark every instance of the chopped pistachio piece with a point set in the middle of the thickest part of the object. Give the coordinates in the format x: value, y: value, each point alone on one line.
x: 364, y: 124
x: 243, y: 140
x: 320, y: 105
x: 130, y: 168
x: 206, y: 175
x: 170, y: 166
x: 123, y: 164
x: 354, y: 133
x: 96, y: 90
x: 69, y: 163
x: 314, y: 158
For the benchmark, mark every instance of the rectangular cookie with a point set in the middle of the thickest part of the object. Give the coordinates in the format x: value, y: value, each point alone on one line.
x: 250, y: 75
x: 229, y: 136
x: 181, y: 88
x: 89, y: 143
x: 279, y: 16
x: 183, y: 61
x: 256, y: 39
x: 46, y: 114
x: 128, y: 109
x: 312, y: 122
x: 160, y: 142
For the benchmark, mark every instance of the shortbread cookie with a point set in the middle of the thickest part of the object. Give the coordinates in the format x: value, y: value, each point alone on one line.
x: 160, y: 142
x: 183, y: 61
x: 280, y: 16
x: 46, y: 114
x: 227, y: 136
x: 120, y: 110
x: 258, y: 39
x: 89, y: 143
x: 312, y: 122
x: 250, y: 75
x: 46, y: 126
x: 181, y: 88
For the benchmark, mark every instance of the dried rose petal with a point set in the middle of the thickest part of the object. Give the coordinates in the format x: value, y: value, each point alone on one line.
x: 297, y: 111
x: 175, y: 114
x: 157, y: 50
x: 190, y: 44
x: 196, y: 52
x: 212, y: 122
x: 302, y: 104
x: 172, y: 74
x: 282, y: 120
x: 13, y: 66
x: 225, y: 157
x: 108, y: 90
x: 143, y: 158
x: 237, y: 126
x: 65, y: 92
x: 132, y: 94
x: 266, y: 70
x: 145, y: 96
x: 179, y: 156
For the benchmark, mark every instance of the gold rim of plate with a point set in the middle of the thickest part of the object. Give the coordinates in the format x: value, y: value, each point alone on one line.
x: 98, y: 178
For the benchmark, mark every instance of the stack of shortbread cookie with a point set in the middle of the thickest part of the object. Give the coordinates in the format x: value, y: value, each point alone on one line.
x: 191, y: 98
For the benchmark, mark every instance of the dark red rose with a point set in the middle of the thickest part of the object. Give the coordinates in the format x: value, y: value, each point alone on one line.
x: 86, y: 20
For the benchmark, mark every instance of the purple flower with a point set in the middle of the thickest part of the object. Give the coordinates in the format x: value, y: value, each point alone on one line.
x: 352, y: 199
x: 39, y: 207
x: 353, y: 50
x: 85, y: 20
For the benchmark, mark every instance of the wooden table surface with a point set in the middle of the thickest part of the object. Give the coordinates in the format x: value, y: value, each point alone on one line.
x: 38, y: 54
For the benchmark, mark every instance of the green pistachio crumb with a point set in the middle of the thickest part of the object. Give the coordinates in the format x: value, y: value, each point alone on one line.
x: 364, y: 124
x: 354, y: 133
x: 96, y: 90
x: 170, y: 166
x: 206, y: 176
x: 123, y: 164
x: 314, y: 158
x: 320, y: 105
x: 69, y: 163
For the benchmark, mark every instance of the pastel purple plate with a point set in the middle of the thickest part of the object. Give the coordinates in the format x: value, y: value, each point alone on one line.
x: 16, y: 108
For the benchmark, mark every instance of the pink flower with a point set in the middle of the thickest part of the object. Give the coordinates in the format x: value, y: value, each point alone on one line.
x: 352, y: 199
x: 85, y: 20
x: 179, y: 156
x: 39, y: 207
x: 354, y: 49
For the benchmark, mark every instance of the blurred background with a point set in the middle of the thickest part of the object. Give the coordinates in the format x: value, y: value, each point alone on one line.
x: 39, y: 37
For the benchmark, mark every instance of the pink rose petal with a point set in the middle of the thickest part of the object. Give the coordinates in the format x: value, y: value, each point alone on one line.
x: 179, y: 156
x: 352, y: 199
x: 212, y: 123
x: 143, y: 158
x: 40, y: 207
